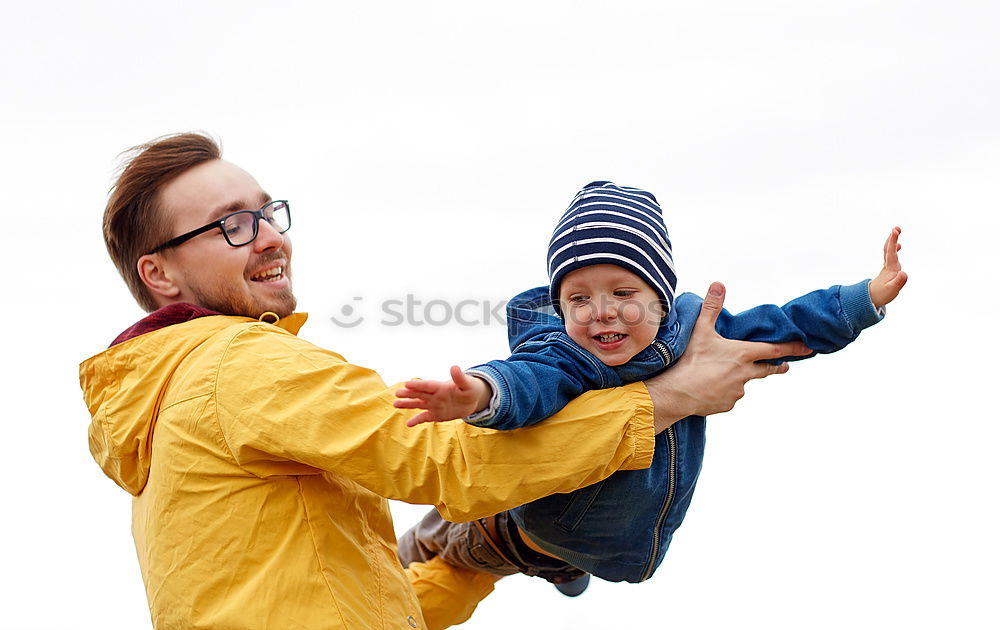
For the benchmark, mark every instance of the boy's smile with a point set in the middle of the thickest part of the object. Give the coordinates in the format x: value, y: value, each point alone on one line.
x: 610, y: 311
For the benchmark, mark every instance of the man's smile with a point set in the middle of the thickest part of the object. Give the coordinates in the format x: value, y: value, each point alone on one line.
x: 269, y: 274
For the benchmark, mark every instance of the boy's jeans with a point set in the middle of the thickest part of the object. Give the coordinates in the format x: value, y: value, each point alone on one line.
x: 491, y: 545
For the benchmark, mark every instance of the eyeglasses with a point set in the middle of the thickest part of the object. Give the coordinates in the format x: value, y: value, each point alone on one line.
x: 241, y: 227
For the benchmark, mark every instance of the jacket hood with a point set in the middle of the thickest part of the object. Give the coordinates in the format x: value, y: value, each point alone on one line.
x: 124, y: 385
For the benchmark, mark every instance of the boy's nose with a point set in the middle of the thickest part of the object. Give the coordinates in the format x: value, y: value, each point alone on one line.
x: 606, y: 312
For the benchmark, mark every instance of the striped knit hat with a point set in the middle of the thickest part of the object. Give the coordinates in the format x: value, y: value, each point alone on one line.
x: 613, y: 225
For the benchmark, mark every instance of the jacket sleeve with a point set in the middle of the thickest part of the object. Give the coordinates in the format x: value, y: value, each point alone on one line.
x: 448, y: 595
x: 284, y: 404
x: 538, y: 380
x: 825, y: 320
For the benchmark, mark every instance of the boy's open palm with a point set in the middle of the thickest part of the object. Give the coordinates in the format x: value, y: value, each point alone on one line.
x: 462, y: 396
x: 887, y: 284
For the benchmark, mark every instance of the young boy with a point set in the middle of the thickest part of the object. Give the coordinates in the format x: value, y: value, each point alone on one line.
x: 609, y: 317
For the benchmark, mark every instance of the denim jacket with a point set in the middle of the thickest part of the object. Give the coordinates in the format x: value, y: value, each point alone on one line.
x: 619, y: 529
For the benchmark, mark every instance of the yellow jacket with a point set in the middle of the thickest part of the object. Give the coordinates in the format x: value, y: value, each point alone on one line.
x: 260, y: 465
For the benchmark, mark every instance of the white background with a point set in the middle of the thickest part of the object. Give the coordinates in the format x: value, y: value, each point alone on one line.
x: 427, y: 149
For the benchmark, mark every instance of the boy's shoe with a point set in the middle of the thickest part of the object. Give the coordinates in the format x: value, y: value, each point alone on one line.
x: 572, y: 588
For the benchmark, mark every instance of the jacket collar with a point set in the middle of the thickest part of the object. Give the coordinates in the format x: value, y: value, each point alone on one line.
x: 166, y: 316
x: 181, y: 312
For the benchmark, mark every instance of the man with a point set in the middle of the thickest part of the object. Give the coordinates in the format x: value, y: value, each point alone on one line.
x: 260, y: 463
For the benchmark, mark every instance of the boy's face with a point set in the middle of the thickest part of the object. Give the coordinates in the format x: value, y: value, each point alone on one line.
x: 611, y: 312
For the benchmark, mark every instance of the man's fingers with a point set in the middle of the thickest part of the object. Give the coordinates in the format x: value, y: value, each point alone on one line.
x: 766, y: 369
x: 712, y: 305
x: 759, y: 350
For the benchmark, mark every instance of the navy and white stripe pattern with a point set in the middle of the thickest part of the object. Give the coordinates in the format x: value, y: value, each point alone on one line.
x: 614, y: 225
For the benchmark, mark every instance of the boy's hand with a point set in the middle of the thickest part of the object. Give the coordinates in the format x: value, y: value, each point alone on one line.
x: 886, y: 285
x: 444, y: 400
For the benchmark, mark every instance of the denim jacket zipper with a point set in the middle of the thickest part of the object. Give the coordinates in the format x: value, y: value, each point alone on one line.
x: 671, y: 479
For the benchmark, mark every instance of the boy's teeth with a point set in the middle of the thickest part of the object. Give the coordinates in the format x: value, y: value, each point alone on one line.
x: 609, y: 338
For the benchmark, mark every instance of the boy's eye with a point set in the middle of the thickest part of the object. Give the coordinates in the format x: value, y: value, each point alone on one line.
x: 624, y: 293
x: 577, y: 299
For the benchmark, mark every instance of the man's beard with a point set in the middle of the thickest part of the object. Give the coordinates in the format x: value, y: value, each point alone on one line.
x: 230, y: 302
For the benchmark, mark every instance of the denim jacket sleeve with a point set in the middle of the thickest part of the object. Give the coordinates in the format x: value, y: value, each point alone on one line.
x: 825, y: 320
x: 546, y: 370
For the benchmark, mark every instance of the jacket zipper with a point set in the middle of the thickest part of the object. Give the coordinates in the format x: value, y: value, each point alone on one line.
x: 671, y: 483
x: 664, y: 352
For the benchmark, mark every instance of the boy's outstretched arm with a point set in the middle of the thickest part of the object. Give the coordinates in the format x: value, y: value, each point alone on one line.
x: 826, y: 320
x: 887, y: 284
x: 462, y: 396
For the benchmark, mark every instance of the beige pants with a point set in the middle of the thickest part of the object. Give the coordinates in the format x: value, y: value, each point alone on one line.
x: 492, y: 545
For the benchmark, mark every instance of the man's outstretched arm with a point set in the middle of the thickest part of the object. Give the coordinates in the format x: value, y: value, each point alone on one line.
x: 324, y: 413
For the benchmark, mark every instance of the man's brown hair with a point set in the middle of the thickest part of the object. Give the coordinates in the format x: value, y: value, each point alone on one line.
x: 133, y: 219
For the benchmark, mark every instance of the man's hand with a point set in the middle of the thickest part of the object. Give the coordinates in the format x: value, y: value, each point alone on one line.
x: 887, y: 284
x: 710, y: 376
x: 444, y: 400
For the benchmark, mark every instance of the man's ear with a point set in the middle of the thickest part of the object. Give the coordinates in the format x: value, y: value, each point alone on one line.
x: 156, y: 276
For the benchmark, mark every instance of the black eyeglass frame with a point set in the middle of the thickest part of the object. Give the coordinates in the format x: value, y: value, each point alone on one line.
x: 219, y: 223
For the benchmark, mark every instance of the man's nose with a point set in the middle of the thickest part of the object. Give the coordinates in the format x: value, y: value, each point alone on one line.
x: 267, y: 237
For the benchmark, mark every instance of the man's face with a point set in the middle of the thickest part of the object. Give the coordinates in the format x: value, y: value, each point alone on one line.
x: 209, y: 271
x: 611, y: 312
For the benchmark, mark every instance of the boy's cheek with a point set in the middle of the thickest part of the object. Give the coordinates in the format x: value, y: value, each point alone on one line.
x: 576, y: 317
x: 577, y: 334
x: 635, y: 314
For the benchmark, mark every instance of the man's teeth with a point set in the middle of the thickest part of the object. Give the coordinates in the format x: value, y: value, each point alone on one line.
x: 270, y: 273
x: 610, y: 338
